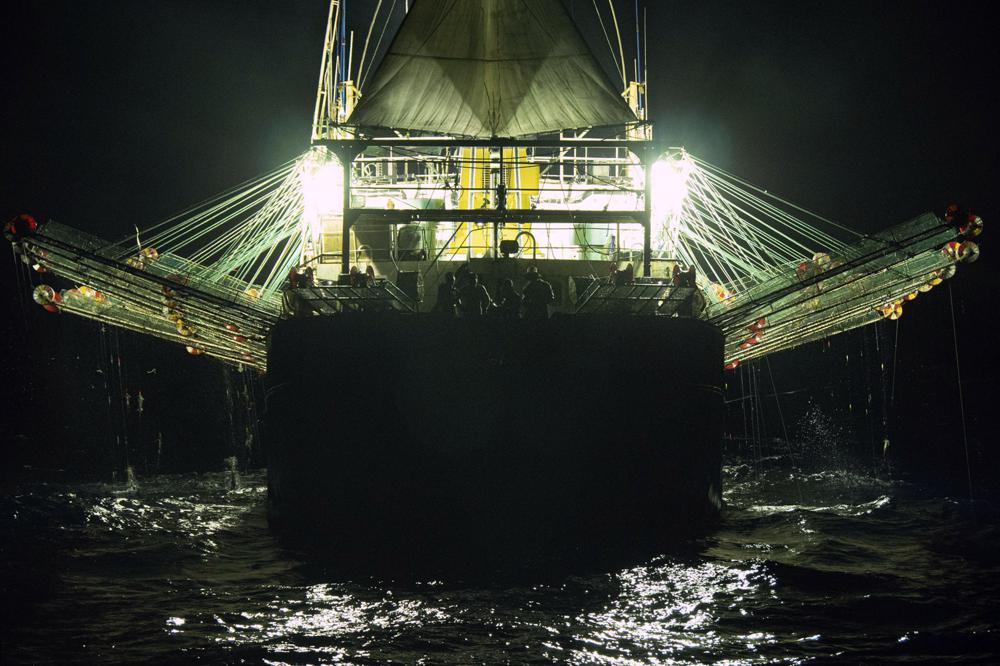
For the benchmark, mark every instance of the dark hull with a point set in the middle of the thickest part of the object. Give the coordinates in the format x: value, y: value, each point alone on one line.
x: 430, y: 439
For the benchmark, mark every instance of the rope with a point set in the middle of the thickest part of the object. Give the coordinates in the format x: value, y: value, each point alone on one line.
x: 619, y: 69
x: 781, y: 417
x: 895, y: 353
x: 21, y: 291
x: 961, y: 400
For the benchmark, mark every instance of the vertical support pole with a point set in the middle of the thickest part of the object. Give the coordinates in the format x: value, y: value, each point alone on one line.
x: 647, y: 216
x: 346, y: 155
x: 501, y: 204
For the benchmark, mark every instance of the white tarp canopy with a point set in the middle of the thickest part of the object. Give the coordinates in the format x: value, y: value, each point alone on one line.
x: 489, y: 68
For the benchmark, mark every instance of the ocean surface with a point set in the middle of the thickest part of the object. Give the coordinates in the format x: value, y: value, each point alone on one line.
x: 832, y: 567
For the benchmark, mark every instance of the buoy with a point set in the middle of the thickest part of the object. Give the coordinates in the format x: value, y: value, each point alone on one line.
x: 950, y: 250
x: 43, y: 294
x: 968, y: 252
x: 732, y: 364
x: 950, y: 212
x: 253, y: 293
x: 194, y: 351
x: 231, y: 327
x: 21, y: 225
x: 720, y: 291
x: 973, y: 227
x: 239, y: 338
x: 744, y: 345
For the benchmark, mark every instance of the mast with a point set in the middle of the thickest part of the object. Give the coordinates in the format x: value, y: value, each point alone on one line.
x: 336, y: 93
x: 325, y: 102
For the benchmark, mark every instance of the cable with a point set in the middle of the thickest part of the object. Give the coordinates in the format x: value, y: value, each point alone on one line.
x: 961, y: 400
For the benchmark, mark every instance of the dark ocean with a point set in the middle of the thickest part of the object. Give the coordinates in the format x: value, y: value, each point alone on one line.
x: 829, y: 567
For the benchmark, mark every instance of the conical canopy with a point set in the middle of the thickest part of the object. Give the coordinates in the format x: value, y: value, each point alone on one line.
x: 485, y: 68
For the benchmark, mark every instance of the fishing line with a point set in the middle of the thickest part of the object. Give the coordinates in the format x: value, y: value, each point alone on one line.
x: 961, y: 400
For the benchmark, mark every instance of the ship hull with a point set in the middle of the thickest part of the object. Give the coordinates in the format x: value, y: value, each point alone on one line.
x: 427, y: 439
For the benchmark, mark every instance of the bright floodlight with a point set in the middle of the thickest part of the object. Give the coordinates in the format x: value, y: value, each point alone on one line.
x: 669, y: 177
x: 323, y: 185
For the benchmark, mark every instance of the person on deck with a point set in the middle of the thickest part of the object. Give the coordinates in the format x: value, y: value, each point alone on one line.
x: 508, y: 304
x: 690, y: 277
x: 538, y: 295
x: 623, y: 277
x: 473, y: 299
x: 447, y: 296
x: 307, y: 279
x: 675, y: 275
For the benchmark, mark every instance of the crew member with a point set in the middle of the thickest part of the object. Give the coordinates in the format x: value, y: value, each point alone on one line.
x: 537, y: 296
x: 308, y: 277
x: 690, y: 277
x: 473, y: 299
x: 447, y: 297
x: 508, y: 304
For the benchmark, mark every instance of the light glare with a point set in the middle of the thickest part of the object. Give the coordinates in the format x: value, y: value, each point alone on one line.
x: 670, y: 186
x: 322, y: 187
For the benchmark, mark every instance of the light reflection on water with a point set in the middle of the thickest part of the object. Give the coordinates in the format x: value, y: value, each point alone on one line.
x: 668, y: 611
x: 182, y: 568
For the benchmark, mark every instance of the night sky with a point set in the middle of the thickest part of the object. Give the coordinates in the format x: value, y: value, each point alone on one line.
x: 124, y: 112
x: 120, y: 113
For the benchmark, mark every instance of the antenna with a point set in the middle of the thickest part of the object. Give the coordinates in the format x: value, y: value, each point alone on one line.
x: 638, y: 53
x: 350, y: 58
x: 645, y: 64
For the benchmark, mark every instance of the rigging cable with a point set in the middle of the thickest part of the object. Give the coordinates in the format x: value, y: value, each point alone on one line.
x: 388, y: 18
x: 371, y: 27
x: 619, y: 69
x: 618, y: 33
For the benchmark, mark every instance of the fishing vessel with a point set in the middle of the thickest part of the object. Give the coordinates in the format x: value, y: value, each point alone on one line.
x: 567, y: 392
